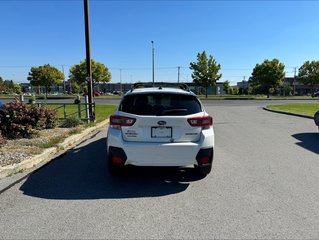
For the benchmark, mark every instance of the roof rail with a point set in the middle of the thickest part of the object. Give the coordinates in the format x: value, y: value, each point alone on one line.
x: 160, y: 85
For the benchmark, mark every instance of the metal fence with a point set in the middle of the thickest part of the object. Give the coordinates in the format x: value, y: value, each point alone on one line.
x: 81, y: 112
x: 82, y: 109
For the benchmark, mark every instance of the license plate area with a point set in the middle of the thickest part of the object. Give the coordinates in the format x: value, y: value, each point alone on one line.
x: 161, y: 132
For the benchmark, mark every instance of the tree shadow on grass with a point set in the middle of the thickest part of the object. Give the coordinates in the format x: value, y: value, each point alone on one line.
x: 82, y: 174
x: 309, y: 141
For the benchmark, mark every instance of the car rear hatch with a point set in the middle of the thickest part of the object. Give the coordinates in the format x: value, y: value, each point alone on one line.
x: 161, y: 129
x: 161, y: 117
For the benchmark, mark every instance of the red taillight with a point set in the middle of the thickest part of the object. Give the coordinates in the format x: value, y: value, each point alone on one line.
x: 201, y: 121
x: 204, y: 160
x: 117, y: 160
x: 121, y: 121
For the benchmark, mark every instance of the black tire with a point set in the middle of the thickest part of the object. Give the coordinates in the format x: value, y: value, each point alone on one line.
x: 203, y: 170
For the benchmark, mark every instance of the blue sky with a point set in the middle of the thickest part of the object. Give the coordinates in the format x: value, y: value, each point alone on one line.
x: 238, y: 34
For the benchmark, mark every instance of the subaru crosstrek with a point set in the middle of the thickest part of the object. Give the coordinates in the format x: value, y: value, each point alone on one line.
x: 160, y: 126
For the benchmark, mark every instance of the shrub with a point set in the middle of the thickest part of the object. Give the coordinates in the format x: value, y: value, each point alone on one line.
x: 19, y: 120
x: 44, y: 117
x: 71, y: 121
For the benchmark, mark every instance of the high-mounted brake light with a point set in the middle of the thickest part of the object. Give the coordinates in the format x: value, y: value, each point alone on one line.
x: 121, y: 121
x: 201, y: 121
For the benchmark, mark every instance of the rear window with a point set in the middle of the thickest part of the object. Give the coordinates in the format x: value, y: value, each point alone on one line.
x: 160, y: 104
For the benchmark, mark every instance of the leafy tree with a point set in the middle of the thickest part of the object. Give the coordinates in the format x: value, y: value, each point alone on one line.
x: 45, y: 75
x: 76, y: 87
x: 309, y: 74
x: 230, y: 90
x: 8, y: 86
x: 269, y: 74
x: 1, y: 85
x: 227, y: 87
x: 205, y: 71
x: 17, y: 88
x: 235, y: 90
x: 100, y: 73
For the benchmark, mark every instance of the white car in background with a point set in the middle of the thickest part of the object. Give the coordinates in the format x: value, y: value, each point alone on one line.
x: 160, y: 126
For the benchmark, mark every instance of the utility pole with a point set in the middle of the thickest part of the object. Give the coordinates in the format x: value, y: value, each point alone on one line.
x: 63, y: 79
x: 178, y: 74
x: 88, y: 60
x: 153, y: 63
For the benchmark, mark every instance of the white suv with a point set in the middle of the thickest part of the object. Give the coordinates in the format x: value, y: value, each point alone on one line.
x: 160, y: 126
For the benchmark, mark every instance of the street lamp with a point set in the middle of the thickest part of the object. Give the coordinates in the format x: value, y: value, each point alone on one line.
x: 153, y: 63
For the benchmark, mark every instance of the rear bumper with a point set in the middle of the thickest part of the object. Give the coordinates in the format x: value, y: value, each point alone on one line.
x: 161, y: 154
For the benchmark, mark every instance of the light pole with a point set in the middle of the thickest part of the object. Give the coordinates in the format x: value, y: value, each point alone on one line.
x: 153, y: 63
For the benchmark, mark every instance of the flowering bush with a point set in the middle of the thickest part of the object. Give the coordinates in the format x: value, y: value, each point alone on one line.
x: 20, y: 120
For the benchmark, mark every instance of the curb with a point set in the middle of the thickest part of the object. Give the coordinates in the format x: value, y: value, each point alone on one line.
x: 287, y: 113
x: 46, y: 156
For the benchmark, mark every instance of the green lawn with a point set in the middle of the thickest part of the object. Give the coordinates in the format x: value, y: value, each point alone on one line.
x: 102, y: 111
x: 303, y: 109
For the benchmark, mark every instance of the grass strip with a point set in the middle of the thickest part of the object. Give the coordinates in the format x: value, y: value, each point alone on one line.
x: 308, y: 109
x: 53, y: 142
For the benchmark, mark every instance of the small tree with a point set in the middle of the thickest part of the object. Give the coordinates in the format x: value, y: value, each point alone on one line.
x: 309, y: 74
x: 230, y: 90
x: 76, y: 87
x: 8, y: 86
x: 100, y: 73
x: 269, y: 74
x: 205, y: 71
x: 17, y: 88
x: 1, y: 85
x: 235, y: 90
x: 45, y: 75
x: 227, y: 87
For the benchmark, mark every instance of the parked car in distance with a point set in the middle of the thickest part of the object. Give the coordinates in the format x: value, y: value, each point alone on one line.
x: 96, y: 94
x: 160, y: 126
x: 315, y: 94
x: 117, y: 93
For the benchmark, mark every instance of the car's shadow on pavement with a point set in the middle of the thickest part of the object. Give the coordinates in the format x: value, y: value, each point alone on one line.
x: 82, y: 174
x: 309, y: 141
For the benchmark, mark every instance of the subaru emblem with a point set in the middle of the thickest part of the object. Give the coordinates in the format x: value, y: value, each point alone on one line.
x: 161, y: 123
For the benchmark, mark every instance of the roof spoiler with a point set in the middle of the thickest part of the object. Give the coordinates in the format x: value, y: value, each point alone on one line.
x: 160, y: 85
